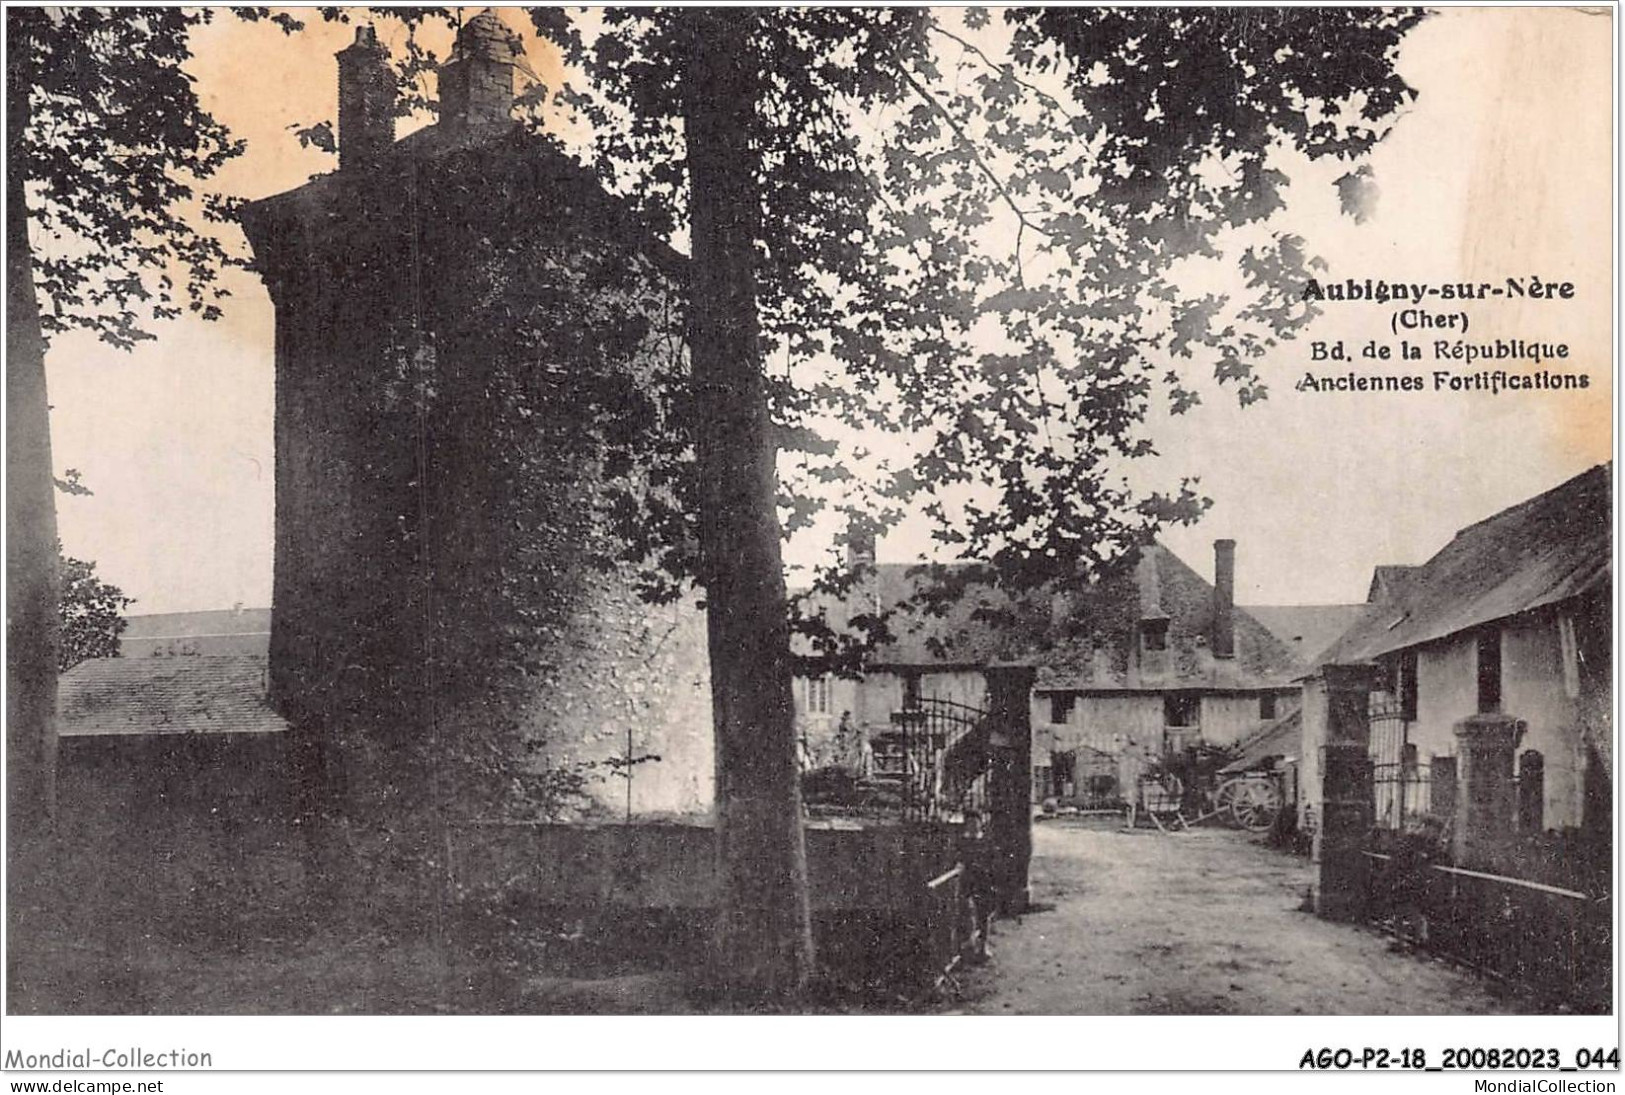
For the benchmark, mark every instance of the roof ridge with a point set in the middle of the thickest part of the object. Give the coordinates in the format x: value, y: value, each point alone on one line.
x: 1209, y: 588
x: 1539, y: 552
x: 1542, y: 497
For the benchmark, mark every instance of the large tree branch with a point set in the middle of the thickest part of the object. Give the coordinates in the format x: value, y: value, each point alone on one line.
x: 1024, y: 220
x: 1004, y: 70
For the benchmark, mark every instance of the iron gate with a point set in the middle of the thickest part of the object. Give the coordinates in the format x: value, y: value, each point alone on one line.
x: 1401, y: 785
x: 937, y: 756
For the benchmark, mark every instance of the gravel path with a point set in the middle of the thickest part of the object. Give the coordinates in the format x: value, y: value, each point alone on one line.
x: 1199, y: 923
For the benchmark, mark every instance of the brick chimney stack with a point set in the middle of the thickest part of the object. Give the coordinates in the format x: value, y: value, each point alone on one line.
x: 366, y: 100
x: 1224, y: 598
x: 860, y: 556
x: 477, y: 84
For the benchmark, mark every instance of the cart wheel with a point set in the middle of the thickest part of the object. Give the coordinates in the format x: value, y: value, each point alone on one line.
x: 1255, y: 804
x: 1225, y: 797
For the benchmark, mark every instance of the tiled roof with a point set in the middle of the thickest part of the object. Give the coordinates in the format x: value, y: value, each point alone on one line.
x: 1387, y: 582
x: 977, y: 628
x: 203, y: 695
x: 1553, y: 547
x: 1307, y: 630
x: 1096, y: 647
x: 1102, y: 651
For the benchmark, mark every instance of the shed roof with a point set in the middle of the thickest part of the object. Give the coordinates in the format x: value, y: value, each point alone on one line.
x: 139, y: 696
x: 1307, y: 630
x: 1282, y: 737
x: 1553, y: 547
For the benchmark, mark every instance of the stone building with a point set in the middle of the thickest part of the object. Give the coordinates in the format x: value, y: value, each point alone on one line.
x: 1139, y: 664
x: 470, y: 336
x: 943, y: 640
x: 1150, y: 661
x: 1505, y: 633
x: 929, y: 658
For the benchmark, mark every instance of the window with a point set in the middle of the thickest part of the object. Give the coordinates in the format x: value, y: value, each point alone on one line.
x: 1063, y: 774
x: 911, y: 691
x: 1489, y: 672
x: 1531, y: 792
x: 1154, y: 633
x: 1407, y: 686
x: 1043, y: 786
x: 1266, y: 705
x: 1060, y: 707
x: 1181, y: 709
x: 1388, y: 675
x: 1408, y: 759
x: 818, y: 696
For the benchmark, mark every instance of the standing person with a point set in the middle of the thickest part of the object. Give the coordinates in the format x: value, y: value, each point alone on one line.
x: 977, y: 880
x: 1131, y: 769
x: 847, y: 752
x: 866, y: 754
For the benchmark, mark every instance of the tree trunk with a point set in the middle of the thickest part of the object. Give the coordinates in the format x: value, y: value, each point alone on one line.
x: 764, y: 937
x: 31, y: 611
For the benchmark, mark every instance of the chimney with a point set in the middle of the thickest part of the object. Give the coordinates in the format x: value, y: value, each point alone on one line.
x: 366, y: 100
x: 1224, y: 598
x: 476, y: 85
x: 860, y: 557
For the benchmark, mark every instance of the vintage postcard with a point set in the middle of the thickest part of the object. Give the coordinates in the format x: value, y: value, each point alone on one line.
x: 1103, y: 515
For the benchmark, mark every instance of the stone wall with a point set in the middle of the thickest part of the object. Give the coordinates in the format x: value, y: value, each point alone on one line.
x: 636, y: 676
x: 1227, y: 718
x: 161, y: 825
x: 1533, y: 689
x: 1446, y: 690
x: 671, y: 866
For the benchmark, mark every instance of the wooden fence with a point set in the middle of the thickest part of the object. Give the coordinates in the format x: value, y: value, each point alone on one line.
x: 1551, y: 939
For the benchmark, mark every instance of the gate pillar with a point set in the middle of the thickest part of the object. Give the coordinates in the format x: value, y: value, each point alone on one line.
x: 1336, y: 717
x: 1010, y: 783
x: 1486, y: 795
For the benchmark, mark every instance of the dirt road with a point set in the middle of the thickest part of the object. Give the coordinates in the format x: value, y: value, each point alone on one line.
x: 1198, y: 923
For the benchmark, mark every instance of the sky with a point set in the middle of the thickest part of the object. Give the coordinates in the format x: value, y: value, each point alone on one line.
x: 1500, y: 170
